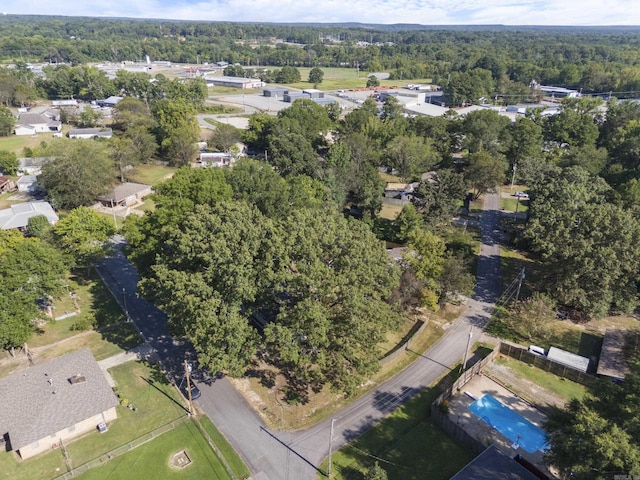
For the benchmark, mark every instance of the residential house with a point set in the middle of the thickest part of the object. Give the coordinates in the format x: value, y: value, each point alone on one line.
x: 492, y: 464
x: 90, y: 133
x: 111, y: 101
x: 17, y: 216
x: 53, y: 402
x: 32, y: 165
x: 125, y: 195
x: 32, y: 123
x: 215, y: 159
x: 398, y: 193
x: 27, y: 183
x: 6, y: 184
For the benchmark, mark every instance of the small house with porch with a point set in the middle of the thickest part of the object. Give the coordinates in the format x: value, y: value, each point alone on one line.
x: 125, y: 195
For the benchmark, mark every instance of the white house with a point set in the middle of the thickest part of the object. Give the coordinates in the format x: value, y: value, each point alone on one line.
x: 32, y: 123
x: 27, y: 183
x: 17, y: 216
x: 55, y: 401
x: 90, y: 133
x: 215, y: 159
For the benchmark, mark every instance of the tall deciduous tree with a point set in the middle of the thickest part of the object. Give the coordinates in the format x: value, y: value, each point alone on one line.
x: 30, y: 270
x: 590, y: 248
x: 484, y: 173
x: 7, y: 121
x: 81, y: 171
x: 84, y: 234
x: 315, y: 76
x: 333, y: 303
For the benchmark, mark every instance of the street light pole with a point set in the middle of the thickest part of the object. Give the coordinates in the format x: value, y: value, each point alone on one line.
x: 466, y: 352
x: 330, y: 445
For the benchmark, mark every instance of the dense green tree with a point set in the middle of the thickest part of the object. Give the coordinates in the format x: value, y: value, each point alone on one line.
x: 287, y: 74
x: 598, y: 436
x: 375, y: 472
x: 224, y: 137
x: 407, y: 221
x: 40, y: 227
x: 312, y: 120
x: 315, y: 76
x: 439, y: 197
x: 218, y: 263
x: 589, y: 157
x: 30, y: 270
x: 88, y: 117
x: 177, y: 130
x: 8, y: 162
x: 426, y: 257
x: 484, y: 130
x: 7, y: 121
x: 523, y: 145
x: 372, y: 81
x: 289, y: 149
x: 571, y: 127
x: 589, y: 248
x: 484, y: 173
x: 334, y: 311
x: 84, y: 234
x: 81, y: 171
x: 410, y: 156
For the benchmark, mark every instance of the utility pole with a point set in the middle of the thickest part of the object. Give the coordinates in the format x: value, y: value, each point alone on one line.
x: 466, y: 352
x: 187, y: 373
x: 330, y: 445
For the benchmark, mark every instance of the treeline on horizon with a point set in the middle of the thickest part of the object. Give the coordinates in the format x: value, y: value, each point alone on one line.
x: 594, y: 59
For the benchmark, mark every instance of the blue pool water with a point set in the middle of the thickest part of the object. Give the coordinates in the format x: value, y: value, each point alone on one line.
x: 509, y: 423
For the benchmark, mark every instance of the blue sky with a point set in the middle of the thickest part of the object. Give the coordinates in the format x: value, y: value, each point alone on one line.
x: 428, y: 12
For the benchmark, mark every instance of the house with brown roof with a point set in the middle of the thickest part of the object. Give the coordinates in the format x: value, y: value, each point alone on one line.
x: 53, y: 402
x: 125, y: 195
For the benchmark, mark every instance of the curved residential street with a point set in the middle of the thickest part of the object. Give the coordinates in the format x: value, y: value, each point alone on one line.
x: 274, y: 455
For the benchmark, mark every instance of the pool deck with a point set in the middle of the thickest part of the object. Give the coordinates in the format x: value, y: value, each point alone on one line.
x: 476, y: 388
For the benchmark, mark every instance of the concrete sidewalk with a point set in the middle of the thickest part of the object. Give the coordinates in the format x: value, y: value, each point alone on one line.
x: 144, y: 351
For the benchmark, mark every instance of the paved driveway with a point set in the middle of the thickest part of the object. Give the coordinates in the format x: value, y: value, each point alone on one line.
x: 274, y: 455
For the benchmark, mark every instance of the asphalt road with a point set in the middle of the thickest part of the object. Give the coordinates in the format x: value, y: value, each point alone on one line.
x: 274, y: 455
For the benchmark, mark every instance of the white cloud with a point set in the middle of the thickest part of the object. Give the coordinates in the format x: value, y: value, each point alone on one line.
x: 427, y: 12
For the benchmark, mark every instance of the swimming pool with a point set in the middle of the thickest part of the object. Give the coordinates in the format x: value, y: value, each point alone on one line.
x: 509, y: 423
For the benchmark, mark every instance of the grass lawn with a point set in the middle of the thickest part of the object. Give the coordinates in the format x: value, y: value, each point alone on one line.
x: 151, y: 460
x: 563, y: 388
x: 387, y: 177
x: 147, y: 206
x: 409, y: 445
x: 157, y: 404
x: 390, y: 212
x: 345, y: 78
x: 92, y: 299
x: 150, y: 174
x: 227, y: 451
x: 157, y: 401
x: 16, y: 143
x: 510, y: 204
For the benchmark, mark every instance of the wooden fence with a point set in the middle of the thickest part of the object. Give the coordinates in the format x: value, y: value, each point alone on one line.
x: 439, y: 409
x: 524, y: 355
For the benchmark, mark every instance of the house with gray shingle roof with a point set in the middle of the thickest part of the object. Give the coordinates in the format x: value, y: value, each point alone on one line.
x: 18, y: 215
x: 32, y: 123
x: 54, y: 401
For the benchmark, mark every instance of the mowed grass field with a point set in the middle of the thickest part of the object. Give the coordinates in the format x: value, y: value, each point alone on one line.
x: 16, y: 144
x: 345, y: 78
